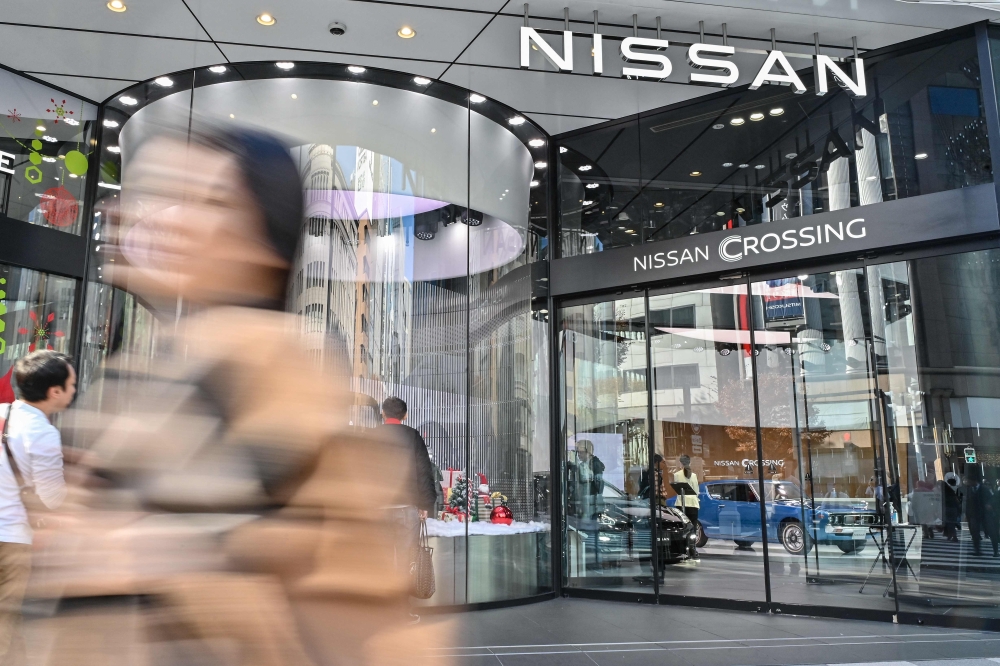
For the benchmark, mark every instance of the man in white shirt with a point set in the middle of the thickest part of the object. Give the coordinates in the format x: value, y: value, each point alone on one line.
x: 46, y: 383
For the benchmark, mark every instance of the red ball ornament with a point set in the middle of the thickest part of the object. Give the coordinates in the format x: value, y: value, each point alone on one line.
x: 501, y: 515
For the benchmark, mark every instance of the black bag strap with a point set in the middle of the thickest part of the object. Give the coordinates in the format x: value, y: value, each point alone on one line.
x: 6, y: 447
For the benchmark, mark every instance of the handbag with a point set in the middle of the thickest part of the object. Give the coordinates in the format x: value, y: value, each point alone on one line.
x: 422, y: 584
x: 33, y: 504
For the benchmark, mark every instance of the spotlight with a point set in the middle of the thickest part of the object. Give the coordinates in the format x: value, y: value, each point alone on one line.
x: 356, y: 69
x: 117, y: 6
x: 406, y: 32
x: 128, y: 101
x: 217, y: 69
x: 718, y: 126
x: 266, y: 19
x: 164, y: 81
x: 534, y: 183
x: 536, y: 143
x: 284, y: 65
x: 727, y: 164
x: 737, y: 121
x: 920, y: 156
x: 585, y: 167
x: 756, y: 115
x: 592, y: 186
x: 695, y: 174
x: 421, y: 80
x: 515, y: 121
x: 541, y: 165
x: 776, y: 111
x: 476, y: 98
x: 473, y: 218
x: 425, y: 226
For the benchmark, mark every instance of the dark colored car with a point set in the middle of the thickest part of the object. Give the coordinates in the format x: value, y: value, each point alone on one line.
x: 730, y: 510
x: 623, y: 529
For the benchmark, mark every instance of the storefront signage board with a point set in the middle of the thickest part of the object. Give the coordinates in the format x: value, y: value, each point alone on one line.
x: 962, y: 212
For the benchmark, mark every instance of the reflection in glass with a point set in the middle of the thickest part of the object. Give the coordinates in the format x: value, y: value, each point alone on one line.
x: 607, y: 532
x: 821, y: 441
x: 704, y: 432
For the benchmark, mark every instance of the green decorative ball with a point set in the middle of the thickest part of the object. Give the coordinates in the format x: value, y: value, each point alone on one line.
x: 76, y: 162
x: 35, y: 158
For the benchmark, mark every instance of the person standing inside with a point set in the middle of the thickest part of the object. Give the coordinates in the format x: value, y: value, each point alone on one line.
x: 46, y: 382
x: 689, y: 502
x: 422, y: 487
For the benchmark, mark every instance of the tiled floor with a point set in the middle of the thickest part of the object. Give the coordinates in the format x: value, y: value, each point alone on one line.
x: 580, y: 631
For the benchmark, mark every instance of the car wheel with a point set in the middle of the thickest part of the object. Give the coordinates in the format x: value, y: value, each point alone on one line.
x: 851, y: 547
x: 793, y: 538
x: 702, y: 537
x: 744, y: 545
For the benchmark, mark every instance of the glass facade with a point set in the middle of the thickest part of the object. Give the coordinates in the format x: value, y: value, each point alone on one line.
x: 750, y: 157
x: 820, y: 435
x: 415, y: 276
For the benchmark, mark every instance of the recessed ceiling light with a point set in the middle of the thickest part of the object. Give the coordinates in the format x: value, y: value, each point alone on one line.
x: 48, y: 159
x: 727, y: 164
x: 73, y: 175
x: 791, y: 156
x: 920, y: 156
x: 720, y: 213
x: 406, y: 32
x: 588, y: 202
x: 534, y: 183
x: 872, y: 178
x: 232, y: 115
x: 40, y: 128
x: 776, y: 111
x: 266, y: 19
x: 586, y: 167
x: 356, y: 69
x: 128, y: 101
x: 110, y: 123
x: 695, y: 173
x: 744, y: 166
x: 563, y: 149
x: 164, y: 81
x: 759, y: 166
x: 284, y: 65
x: 294, y: 96
x: 117, y: 6
x: 536, y: 143
x: 591, y: 186
x: 374, y: 102
x: 433, y: 130
x: 718, y: 126
x: 217, y: 69
x: 114, y: 149
x: 50, y: 139
x: 476, y: 98
x: 737, y: 121
x: 540, y: 165
x: 515, y: 121
x: 70, y: 121
x: 659, y: 204
x: 756, y: 115
x: 421, y: 80
x: 741, y: 210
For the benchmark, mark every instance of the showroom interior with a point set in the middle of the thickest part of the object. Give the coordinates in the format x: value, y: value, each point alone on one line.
x: 578, y: 310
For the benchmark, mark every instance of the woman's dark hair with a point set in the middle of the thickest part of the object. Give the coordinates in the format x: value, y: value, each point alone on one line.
x: 271, y: 177
x: 39, y: 371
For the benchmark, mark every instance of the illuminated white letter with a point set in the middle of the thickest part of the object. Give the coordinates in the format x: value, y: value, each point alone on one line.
x: 598, y: 55
x: 652, y: 58
x: 5, y: 162
x: 563, y: 64
x: 695, y: 59
x: 789, y: 78
x: 822, y: 64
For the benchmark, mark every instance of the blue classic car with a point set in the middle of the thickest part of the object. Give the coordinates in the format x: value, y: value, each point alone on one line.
x: 730, y: 510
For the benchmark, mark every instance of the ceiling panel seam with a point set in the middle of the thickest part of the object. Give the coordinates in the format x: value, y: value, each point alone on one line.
x: 205, y: 30
x: 610, y: 24
x: 79, y: 76
x: 473, y: 41
x: 105, y: 32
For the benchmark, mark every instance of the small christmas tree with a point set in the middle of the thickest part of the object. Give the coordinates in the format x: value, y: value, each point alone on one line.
x: 459, y: 498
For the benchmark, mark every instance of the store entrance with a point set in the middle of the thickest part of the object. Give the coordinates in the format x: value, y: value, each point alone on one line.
x: 760, y: 400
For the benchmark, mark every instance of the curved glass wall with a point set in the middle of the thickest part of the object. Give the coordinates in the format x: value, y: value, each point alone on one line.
x: 751, y: 157
x: 416, y: 276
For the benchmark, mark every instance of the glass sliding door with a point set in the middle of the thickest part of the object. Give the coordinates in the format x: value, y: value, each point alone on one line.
x: 705, y: 443
x: 607, y: 536
x: 822, y: 444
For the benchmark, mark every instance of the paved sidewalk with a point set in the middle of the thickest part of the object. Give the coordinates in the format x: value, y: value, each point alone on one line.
x: 572, y: 632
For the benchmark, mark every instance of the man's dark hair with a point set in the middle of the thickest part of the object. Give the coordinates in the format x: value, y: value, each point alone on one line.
x: 394, y: 408
x: 39, y: 371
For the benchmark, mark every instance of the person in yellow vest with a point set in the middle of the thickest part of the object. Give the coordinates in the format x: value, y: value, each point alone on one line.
x: 690, y: 501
